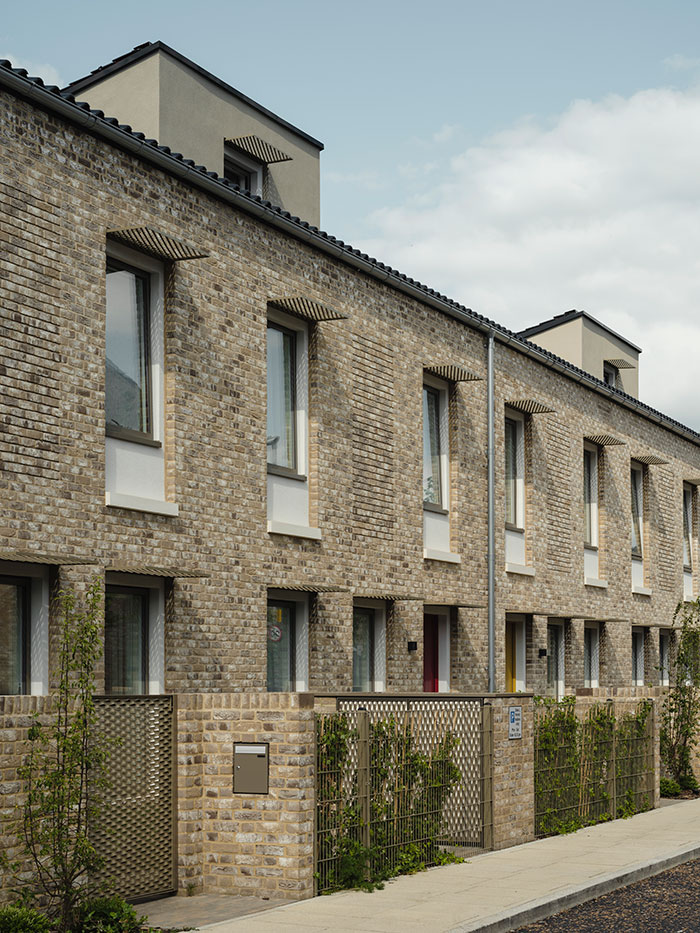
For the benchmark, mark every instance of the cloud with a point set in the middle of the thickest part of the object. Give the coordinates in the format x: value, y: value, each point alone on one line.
x: 47, y: 73
x: 369, y: 180
x: 599, y: 210
x: 680, y: 62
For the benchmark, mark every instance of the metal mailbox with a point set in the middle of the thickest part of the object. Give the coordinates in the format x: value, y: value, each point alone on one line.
x: 251, y: 767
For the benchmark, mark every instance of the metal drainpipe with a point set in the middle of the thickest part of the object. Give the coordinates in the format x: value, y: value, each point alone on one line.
x: 491, y: 557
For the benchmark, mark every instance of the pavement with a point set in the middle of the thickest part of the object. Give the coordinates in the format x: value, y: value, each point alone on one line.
x: 493, y: 892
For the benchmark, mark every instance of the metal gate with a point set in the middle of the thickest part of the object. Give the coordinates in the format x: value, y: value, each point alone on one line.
x: 135, y: 830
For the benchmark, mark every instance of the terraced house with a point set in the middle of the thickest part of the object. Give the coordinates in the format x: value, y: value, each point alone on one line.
x: 296, y: 468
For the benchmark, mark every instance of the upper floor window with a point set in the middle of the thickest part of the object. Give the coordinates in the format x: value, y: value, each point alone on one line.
x: 14, y: 636
x: 637, y: 492
x: 435, y: 446
x: 281, y: 397
x: 611, y: 375
x: 128, y: 393
x: 687, y: 527
x: 590, y: 496
x: 515, y: 460
x: 244, y: 172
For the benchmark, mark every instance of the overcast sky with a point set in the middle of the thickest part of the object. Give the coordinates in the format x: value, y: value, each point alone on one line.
x: 525, y: 158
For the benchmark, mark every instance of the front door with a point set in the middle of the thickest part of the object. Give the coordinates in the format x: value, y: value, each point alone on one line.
x: 431, y: 641
x: 510, y: 657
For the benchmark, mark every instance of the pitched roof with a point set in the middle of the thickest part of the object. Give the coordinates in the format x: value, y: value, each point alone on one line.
x: 52, y: 98
x: 142, y: 51
x: 567, y: 316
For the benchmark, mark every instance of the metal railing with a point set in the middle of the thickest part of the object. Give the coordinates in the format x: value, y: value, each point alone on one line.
x: 399, y: 781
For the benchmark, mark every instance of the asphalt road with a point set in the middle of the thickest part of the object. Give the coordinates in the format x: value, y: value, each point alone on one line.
x: 667, y: 903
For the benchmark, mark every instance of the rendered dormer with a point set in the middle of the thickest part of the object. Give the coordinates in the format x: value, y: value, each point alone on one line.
x: 159, y: 92
x: 578, y: 338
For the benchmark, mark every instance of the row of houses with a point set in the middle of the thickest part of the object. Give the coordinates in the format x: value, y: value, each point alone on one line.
x: 293, y: 467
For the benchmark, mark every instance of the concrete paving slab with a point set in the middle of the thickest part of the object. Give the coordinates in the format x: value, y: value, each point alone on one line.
x: 500, y: 891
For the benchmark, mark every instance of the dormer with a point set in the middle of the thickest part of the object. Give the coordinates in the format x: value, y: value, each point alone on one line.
x: 590, y: 345
x: 159, y: 92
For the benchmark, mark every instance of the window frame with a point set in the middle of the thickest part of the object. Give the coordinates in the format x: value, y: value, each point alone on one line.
x: 558, y: 686
x: 517, y: 522
x: 441, y: 390
x: 379, y: 609
x: 611, y: 372
x: 145, y: 595
x: 301, y: 601
x: 688, y: 503
x: 664, y: 657
x: 592, y: 540
x: 638, y: 658
x: 146, y: 273
x: 24, y: 584
x: 593, y: 680
x: 235, y: 161
x: 637, y: 470
x: 298, y: 330
x: 292, y: 672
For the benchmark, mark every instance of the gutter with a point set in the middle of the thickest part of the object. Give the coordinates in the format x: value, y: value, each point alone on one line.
x: 300, y: 230
x: 491, y: 512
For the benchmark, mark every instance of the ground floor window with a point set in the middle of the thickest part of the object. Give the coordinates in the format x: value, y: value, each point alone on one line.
x: 638, y: 657
x: 281, y: 646
x: 591, y: 654
x: 14, y: 636
x: 126, y: 640
x: 368, y: 646
x: 664, y: 652
x: 555, y: 659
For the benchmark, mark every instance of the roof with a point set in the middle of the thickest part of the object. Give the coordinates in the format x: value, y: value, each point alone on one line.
x: 567, y: 316
x: 150, y: 48
x: 53, y: 99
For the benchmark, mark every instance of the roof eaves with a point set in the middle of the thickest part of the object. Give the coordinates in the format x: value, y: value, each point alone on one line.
x: 109, y: 128
x: 150, y: 48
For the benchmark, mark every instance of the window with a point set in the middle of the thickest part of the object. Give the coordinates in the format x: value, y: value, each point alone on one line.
x: 515, y: 458
x: 433, y: 492
x: 14, y: 636
x: 244, y: 172
x: 126, y: 640
x: 287, y: 641
x: 281, y: 397
x: 637, y: 490
x: 664, y: 652
x: 638, y: 657
x: 281, y: 646
x: 611, y: 375
x: 363, y: 649
x: 128, y: 397
x: 687, y: 528
x: 590, y: 496
x: 555, y: 659
x: 591, y: 654
x: 368, y: 646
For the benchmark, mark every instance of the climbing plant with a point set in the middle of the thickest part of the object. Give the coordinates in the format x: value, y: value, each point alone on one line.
x: 680, y: 715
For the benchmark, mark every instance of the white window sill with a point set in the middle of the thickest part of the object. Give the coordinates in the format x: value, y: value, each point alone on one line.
x: 521, y: 569
x: 295, y: 531
x: 641, y: 591
x: 446, y: 556
x: 117, y: 500
x: 591, y: 581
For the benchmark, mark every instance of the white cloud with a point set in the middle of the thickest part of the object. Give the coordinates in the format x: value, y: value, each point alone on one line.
x: 598, y: 211
x: 682, y: 63
x: 47, y: 73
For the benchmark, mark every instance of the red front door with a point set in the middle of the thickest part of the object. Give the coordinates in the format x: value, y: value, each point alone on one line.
x: 430, y: 654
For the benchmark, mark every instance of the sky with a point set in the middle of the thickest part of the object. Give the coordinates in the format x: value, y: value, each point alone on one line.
x: 522, y: 158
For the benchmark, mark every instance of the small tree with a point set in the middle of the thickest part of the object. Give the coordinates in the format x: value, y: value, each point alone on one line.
x: 65, y: 768
x: 680, y: 716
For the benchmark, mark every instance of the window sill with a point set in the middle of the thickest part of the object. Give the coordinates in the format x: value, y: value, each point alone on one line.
x: 294, y: 531
x: 274, y: 470
x: 432, y: 507
x: 641, y: 590
x: 446, y: 556
x: 512, y: 527
x: 600, y: 584
x: 522, y: 569
x: 116, y: 500
x: 133, y: 437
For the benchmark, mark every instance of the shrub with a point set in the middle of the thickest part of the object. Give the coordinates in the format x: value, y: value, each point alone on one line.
x: 108, y: 915
x: 689, y: 782
x: 23, y: 920
x: 669, y: 788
